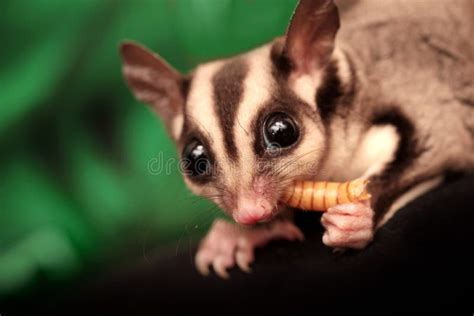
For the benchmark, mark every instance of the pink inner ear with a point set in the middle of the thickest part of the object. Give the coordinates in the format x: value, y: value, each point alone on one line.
x: 153, y: 81
x: 311, y: 34
x: 135, y: 55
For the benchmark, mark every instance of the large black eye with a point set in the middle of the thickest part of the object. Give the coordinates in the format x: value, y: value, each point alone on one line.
x: 196, y: 160
x: 279, y: 130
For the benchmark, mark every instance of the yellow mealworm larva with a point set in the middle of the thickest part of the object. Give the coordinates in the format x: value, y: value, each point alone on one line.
x: 306, y: 198
x: 321, y: 195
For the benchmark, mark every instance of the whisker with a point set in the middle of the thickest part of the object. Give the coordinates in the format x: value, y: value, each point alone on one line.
x: 246, y: 132
x: 200, y: 124
x: 282, y: 168
x: 144, y: 247
x: 293, y: 160
x: 201, y: 218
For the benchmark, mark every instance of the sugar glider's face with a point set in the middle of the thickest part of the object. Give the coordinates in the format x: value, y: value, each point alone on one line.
x: 247, y: 126
x: 246, y: 134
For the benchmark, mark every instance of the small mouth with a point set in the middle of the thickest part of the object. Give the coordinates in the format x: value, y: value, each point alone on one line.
x: 265, y: 220
x: 252, y: 219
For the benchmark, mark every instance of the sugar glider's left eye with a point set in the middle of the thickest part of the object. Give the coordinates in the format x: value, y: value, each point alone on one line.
x: 280, y: 130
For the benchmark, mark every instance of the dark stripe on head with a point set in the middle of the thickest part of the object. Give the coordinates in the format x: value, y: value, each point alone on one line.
x: 281, y: 63
x: 228, y: 90
x: 333, y: 96
x: 185, y: 85
x: 185, y: 88
x: 329, y: 92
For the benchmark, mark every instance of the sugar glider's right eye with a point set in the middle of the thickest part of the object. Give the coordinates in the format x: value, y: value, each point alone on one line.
x: 196, y: 161
x: 279, y: 129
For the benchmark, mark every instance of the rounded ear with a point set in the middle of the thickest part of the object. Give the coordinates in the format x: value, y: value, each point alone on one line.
x: 153, y: 82
x: 311, y: 35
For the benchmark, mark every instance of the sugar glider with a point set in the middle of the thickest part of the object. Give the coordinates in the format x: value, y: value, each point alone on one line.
x: 388, y: 96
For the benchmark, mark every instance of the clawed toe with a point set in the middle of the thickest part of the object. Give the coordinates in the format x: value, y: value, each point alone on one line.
x: 227, y: 245
x: 244, y: 259
x: 348, y: 226
x: 221, y: 264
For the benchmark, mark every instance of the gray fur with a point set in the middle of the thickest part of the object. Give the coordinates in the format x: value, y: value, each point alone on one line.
x: 414, y: 64
x: 416, y: 56
x: 419, y: 55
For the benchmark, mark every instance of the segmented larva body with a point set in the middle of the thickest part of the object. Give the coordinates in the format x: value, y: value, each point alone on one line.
x: 322, y: 195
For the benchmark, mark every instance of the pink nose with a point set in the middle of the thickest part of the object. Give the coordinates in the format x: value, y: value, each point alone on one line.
x: 252, y: 211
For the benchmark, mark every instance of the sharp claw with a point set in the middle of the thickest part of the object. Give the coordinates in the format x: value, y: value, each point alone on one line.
x: 326, y: 238
x: 324, y: 221
x: 338, y: 250
x: 220, y: 268
x: 298, y: 233
x: 334, y: 237
x: 294, y: 235
x: 226, y: 246
x: 202, y: 264
x: 243, y: 261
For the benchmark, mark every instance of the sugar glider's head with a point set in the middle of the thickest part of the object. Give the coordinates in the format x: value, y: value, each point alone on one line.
x: 247, y: 126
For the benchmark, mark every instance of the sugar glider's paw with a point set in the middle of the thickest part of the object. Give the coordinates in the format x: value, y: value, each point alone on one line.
x: 227, y: 244
x: 348, y: 226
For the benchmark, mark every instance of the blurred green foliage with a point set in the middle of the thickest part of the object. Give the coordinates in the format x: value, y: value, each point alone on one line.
x: 75, y: 188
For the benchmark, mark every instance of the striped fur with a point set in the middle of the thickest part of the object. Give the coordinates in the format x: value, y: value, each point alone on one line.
x: 227, y: 91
